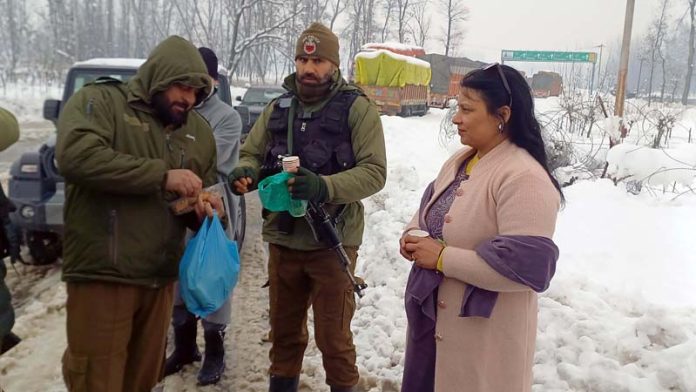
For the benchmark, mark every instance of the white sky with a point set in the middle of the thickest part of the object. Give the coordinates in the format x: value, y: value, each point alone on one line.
x: 564, y: 25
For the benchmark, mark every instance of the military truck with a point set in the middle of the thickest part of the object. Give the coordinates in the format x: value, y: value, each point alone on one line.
x: 38, y: 190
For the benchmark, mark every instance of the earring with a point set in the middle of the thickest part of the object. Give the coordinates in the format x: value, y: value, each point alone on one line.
x: 500, y: 127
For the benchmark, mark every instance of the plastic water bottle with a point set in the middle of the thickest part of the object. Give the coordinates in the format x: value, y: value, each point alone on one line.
x: 298, y: 208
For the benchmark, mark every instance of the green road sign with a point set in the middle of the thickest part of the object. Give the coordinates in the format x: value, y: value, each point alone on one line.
x: 548, y: 56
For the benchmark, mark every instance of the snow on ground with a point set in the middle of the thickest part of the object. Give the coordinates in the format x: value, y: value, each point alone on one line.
x: 619, y: 315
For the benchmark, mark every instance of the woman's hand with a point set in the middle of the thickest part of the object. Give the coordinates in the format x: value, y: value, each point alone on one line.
x: 423, y: 251
x: 404, y: 253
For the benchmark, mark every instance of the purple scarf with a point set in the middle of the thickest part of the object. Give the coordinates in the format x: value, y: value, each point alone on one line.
x: 528, y: 260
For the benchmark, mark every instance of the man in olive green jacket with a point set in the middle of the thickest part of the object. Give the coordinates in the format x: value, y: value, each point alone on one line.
x: 125, y: 151
x: 337, y: 134
x: 9, y: 134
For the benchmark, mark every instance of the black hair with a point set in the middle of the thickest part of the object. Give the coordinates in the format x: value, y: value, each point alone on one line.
x: 523, y: 129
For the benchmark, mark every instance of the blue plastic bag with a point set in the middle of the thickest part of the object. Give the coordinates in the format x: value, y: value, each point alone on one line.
x: 209, y: 269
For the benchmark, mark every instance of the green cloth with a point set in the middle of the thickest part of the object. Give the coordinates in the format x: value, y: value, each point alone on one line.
x: 114, y: 153
x: 9, y: 134
x: 390, y: 70
x: 9, y: 129
x: 345, y: 188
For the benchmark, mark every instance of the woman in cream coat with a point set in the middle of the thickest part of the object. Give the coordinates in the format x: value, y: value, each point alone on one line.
x: 490, y: 214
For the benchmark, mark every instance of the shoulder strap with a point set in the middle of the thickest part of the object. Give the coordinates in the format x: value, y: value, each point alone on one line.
x: 291, y: 121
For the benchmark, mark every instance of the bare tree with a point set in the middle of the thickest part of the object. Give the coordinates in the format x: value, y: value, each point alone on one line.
x: 388, y: 9
x: 355, y: 27
x: 690, y: 60
x: 420, y: 25
x: 456, y: 13
x: 368, y: 31
x: 238, y: 14
x: 12, y: 23
x: 656, y: 38
x: 403, y: 16
x: 336, y: 8
x: 253, y: 37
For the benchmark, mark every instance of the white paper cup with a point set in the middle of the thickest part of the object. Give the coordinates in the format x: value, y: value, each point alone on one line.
x: 290, y: 164
x: 419, y: 233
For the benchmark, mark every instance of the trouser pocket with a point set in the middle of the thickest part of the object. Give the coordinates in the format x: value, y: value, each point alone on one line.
x: 75, y: 372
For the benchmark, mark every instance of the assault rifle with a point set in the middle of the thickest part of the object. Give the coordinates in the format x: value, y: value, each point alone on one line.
x: 324, y: 228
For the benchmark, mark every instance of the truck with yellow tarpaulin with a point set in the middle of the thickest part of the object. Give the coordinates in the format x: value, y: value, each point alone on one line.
x: 397, y: 83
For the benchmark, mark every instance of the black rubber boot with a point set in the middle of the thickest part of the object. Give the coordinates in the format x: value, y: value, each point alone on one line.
x: 283, y: 384
x: 8, y: 341
x: 185, y: 349
x: 214, y: 360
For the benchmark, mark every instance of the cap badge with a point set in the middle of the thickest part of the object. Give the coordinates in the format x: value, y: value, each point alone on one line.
x: 310, y: 44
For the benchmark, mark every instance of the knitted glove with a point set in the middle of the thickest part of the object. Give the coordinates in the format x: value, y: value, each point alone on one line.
x: 309, y: 186
x: 240, y: 172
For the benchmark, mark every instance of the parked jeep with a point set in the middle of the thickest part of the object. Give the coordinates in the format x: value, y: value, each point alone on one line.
x: 252, y: 104
x: 38, y: 190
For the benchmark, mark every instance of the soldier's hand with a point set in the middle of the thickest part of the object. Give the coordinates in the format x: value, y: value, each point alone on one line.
x: 184, y: 182
x: 306, y: 185
x: 243, y: 180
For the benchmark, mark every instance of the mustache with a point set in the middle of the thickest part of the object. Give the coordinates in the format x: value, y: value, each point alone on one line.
x: 310, y: 76
x: 182, y: 105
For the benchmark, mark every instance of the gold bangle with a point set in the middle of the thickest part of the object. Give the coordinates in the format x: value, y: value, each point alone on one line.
x: 439, y: 259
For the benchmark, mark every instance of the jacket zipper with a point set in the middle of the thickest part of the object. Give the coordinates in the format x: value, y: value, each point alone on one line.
x: 113, y: 236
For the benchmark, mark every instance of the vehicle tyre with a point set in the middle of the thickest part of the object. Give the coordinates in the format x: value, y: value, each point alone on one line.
x: 48, y: 159
x: 44, y: 248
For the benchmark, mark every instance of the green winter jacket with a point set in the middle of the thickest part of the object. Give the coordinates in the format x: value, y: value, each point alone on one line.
x: 9, y: 129
x: 9, y: 133
x: 114, y: 152
x: 345, y: 188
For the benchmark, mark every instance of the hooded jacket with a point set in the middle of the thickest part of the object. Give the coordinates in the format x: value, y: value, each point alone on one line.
x: 114, y: 153
x: 9, y: 129
x: 9, y: 133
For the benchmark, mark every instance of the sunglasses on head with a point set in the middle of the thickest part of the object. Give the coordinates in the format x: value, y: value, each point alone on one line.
x: 498, y: 67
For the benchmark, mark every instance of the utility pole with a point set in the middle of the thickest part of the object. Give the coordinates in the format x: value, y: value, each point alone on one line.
x: 640, y: 71
x: 592, y: 78
x: 623, y: 65
x: 599, y: 67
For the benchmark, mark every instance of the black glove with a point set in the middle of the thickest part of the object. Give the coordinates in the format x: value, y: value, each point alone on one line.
x: 309, y: 186
x: 240, y: 172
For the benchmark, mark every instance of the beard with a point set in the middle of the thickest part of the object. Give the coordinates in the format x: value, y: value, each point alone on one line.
x: 312, y: 87
x: 312, y: 79
x: 166, y: 112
